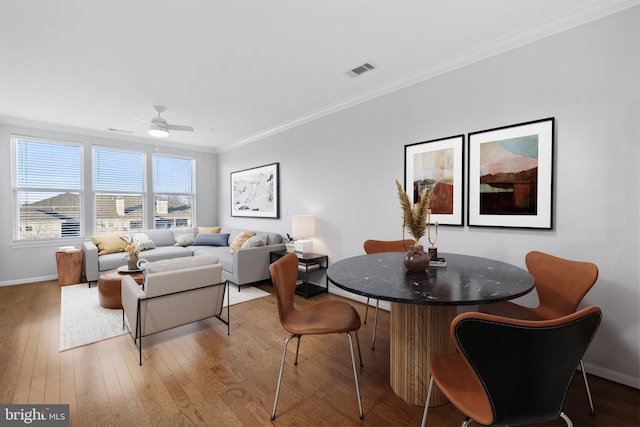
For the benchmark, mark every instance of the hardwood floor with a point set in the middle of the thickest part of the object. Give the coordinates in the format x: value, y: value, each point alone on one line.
x: 197, y: 375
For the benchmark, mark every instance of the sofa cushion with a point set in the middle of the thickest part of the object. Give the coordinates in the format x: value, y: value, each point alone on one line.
x: 161, y: 237
x: 108, y: 243
x: 115, y: 260
x: 180, y: 263
x: 255, y: 241
x: 209, y: 239
x: 221, y: 252
x: 209, y: 230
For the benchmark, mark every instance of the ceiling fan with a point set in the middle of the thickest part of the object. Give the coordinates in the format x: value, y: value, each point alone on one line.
x: 159, y: 127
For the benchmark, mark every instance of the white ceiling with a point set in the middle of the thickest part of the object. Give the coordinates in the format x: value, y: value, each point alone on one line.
x: 239, y: 70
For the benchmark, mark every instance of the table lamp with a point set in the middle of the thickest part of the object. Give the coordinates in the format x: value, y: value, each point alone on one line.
x: 303, y: 227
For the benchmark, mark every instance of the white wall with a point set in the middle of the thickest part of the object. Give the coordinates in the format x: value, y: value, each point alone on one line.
x: 342, y: 167
x: 30, y: 263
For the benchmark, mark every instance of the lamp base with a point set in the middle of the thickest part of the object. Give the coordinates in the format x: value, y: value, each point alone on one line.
x: 304, y: 246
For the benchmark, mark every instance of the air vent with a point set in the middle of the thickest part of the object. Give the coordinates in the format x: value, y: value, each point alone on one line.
x: 364, y: 68
x: 120, y: 130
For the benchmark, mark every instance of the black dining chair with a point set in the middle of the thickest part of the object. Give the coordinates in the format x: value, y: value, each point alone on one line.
x: 561, y: 284
x: 511, y: 371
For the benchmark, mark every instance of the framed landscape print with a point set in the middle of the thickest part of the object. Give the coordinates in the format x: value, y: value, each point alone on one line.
x: 438, y: 165
x: 511, y: 176
x: 254, y: 192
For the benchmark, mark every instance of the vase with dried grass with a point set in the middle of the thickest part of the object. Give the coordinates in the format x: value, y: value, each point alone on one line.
x: 414, y: 221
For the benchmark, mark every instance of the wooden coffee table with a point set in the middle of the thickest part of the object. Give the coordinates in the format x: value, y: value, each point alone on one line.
x: 109, y: 287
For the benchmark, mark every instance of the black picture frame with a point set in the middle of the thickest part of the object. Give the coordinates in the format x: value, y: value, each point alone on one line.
x: 510, y: 176
x: 255, y: 192
x: 438, y: 163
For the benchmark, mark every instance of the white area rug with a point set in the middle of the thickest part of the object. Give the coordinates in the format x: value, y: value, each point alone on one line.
x: 83, y: 321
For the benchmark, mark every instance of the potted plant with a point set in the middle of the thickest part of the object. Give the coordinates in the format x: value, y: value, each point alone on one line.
x: 291, y: 247
x: 414, y: 220
x: 132, y: 252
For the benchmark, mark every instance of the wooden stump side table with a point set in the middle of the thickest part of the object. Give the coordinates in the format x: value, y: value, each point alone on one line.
x: 69, y: 265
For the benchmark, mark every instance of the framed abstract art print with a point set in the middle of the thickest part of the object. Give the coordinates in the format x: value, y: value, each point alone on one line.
x: 511, y: 176
x: 437, y: 165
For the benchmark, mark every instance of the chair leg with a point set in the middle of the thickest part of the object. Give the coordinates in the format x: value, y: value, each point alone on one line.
x: 366, y: 310
x: 284, y: 355
x: 426, y: 404
x: 566, y: 419
x: 586, y: 386
x: 359, y: 353
x: 375, y: 325
x: 355, y: 375
x: 297, y: 350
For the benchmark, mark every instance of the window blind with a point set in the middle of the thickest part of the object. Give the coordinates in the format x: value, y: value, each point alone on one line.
x: 173, y: 191
x: 118, y: 184
x: 47, y: 189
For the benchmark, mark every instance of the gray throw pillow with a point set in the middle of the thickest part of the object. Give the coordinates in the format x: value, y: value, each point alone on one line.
x: 211, y: 239
x: 255, y: 241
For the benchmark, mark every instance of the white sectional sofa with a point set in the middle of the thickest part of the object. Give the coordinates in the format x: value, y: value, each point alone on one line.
x: 242, y: 266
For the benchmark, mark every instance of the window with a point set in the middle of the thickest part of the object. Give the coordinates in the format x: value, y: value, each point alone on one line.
x: 173, y: 191
x: 47, y: 189
x: 119, y: 191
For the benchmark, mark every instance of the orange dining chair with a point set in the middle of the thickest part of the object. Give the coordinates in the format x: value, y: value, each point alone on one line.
x: 379, y: 246
x: 561, y: 284
x: 325, y: 317
x: 510, y: 371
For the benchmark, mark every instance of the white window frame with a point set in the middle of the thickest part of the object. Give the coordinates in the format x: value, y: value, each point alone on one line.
x: 119, y: 192
x: 16, y: 190
x: 191, y: 195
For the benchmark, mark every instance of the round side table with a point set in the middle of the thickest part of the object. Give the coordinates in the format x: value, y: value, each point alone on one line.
x: 109, y: 287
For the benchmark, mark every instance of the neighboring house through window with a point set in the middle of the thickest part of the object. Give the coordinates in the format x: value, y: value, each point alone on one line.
x: 173, y: 191
x: 119, y: 190
x: 49, y: 192
x: 47, y: 189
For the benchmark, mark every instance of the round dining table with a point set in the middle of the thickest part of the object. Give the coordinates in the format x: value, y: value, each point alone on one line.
x: 423, y: 304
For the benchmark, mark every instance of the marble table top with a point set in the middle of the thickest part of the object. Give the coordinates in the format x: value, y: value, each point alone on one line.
x: 466, y: 280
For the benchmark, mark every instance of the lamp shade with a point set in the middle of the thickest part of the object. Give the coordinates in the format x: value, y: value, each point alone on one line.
x: 303, y: 226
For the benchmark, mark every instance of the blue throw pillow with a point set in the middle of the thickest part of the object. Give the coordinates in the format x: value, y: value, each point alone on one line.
x: 211, y: 239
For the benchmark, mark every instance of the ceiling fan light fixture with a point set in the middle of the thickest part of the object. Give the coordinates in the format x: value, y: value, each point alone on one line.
x: 159, y: 131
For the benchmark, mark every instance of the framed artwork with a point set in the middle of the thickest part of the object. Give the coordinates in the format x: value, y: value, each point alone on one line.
x: 437, y: 164
x: 511, y: 176
x: 254, y: 192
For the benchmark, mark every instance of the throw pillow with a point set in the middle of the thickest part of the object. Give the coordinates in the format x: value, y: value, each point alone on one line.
x: 108, y: 243
x: 185, y: 239
x: 143, y: 241
x: 208, y: 239
x: 209, y: 229
x: 240, y: 239
x: 255, y: 241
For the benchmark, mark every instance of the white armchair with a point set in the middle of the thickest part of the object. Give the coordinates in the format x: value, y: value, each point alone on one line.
x: 175, y: 292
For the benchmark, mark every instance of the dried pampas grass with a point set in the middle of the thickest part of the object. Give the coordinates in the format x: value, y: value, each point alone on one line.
x: 414, y: 217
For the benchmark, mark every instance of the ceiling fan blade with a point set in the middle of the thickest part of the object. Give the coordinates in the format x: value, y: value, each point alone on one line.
x: 180, y: 127
x: 142, y: 120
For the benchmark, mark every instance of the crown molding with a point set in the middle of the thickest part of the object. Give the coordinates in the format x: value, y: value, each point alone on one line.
x: 591, y: 11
